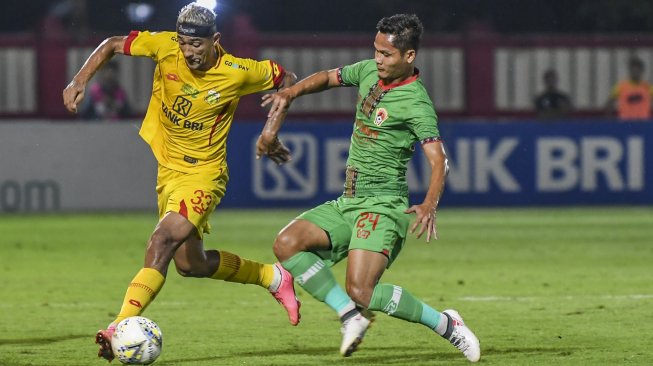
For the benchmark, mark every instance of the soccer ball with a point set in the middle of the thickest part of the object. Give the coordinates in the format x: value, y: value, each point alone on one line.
x: 137, y: 341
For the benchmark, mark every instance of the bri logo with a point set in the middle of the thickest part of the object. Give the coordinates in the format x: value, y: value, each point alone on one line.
x: 296, y: 179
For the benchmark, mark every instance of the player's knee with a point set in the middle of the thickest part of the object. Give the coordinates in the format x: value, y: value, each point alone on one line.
x: 285, y: 245
x: 190, y: 269
x: 160, y: 241
x: 160, y: 250
x: 186, y: 271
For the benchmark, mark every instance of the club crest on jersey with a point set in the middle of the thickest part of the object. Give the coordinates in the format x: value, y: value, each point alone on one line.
x: 190, y: 90
x: 212, y: 97
x: 381, y: 116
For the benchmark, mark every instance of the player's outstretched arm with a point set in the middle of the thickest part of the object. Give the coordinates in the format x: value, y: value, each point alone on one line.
x: 425, y: 212
x: 268, y: 142
x: 289, y: 80
x: 74, y: 92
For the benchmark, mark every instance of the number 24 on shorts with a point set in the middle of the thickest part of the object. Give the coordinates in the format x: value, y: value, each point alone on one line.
x: 365, y: 219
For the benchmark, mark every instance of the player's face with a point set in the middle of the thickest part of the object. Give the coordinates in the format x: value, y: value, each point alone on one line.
x: 199, y: 53
x: 391, y: 65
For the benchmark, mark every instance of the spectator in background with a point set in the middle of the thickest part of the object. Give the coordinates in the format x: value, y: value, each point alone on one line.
x: 552, y: 103
x: 632, y: 97
x: 107, y: 99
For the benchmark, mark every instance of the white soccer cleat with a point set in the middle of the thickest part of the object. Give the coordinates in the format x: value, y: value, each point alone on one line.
x: 461, y: 336
x: 353, y: 330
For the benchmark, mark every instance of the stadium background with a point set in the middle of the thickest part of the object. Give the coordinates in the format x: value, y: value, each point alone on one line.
x: 545, y: 227
x: 482, y: 65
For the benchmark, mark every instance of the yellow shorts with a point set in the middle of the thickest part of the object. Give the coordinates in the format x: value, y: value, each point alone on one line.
x: 193, y: 196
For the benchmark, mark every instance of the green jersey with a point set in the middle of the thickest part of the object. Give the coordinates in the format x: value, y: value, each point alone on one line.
x: 390, y: 119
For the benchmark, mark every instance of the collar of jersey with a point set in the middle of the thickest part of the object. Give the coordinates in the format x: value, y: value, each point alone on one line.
x: 394, y: 85
x: 221, y: 52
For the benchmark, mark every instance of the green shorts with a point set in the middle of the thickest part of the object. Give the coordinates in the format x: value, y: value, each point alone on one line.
x: 377, y: 224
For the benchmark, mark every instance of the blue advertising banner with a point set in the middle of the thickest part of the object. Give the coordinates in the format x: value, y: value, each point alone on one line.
x: 519, y: 163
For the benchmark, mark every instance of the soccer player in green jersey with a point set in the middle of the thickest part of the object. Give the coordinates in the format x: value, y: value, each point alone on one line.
x: 369, y: 222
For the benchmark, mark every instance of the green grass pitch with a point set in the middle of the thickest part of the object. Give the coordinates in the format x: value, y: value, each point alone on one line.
x: 555, y: 286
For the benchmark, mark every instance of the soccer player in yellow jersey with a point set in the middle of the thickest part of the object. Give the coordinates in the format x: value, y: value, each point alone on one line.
x: 195, y: 92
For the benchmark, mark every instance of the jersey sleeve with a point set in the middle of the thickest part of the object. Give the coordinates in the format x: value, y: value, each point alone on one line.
x: 351, y: 75
x: 424, y: 123
x: 261, y: 75
x: 150, y: 44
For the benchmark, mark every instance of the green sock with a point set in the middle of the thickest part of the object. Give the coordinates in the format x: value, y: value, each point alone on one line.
x: 399, y: 303
x: 314, y: 276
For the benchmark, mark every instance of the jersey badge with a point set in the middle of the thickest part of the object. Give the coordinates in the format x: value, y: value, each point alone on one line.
x: 212, y: 97
x: 381, y: 116
x: 190, y: 90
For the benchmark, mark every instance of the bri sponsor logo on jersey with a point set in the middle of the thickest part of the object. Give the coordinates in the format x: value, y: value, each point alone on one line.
x: 178, y: 120
x: 190, y: 90
x: 212, y: 97
x: 381, y: 116
x: 235, y: 65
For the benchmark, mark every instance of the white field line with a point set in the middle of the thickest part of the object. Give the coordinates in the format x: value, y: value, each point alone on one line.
x: 541, y: 298
x: 87, y: 305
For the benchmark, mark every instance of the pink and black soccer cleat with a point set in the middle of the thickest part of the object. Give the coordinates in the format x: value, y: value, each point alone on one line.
x: 103, y: 338
x: 285, y: 295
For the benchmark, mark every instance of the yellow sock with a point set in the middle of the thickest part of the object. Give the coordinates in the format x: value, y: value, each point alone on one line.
x: 140, y: 293
x: 233, y: 268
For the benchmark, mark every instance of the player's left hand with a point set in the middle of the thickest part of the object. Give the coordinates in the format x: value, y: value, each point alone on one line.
x: 73, y: 95
x: 426, y: 221
x: 273, y: 148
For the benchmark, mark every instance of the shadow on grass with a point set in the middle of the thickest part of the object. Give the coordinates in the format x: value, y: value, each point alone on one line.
x: 562, y: 351
x: 373, y: 355
x: 44, y: 340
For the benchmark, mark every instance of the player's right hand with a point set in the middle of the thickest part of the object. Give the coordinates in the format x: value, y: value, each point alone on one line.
x: 73, y: 95
x: 273, y: 148
x: 425, y: 220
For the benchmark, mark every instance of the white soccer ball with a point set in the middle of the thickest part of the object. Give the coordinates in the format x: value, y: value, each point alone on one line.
x: 137, y: 341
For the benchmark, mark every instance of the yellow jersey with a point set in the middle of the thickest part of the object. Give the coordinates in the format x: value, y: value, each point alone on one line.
x: 190, y: 112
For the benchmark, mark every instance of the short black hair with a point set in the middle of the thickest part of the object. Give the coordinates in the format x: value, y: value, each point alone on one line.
x: 407, y: 30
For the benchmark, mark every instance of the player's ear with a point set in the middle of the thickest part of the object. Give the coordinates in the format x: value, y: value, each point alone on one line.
x: 216, y: 38
x: 410, y: 56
